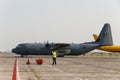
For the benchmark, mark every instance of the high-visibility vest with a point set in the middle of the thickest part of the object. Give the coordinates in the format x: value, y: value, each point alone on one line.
x: 54, y: 54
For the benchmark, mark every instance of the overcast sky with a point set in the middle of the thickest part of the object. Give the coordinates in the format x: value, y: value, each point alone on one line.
x: 29, y: 21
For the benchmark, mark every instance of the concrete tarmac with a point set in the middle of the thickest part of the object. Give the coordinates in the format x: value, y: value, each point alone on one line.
x: 67, y: 68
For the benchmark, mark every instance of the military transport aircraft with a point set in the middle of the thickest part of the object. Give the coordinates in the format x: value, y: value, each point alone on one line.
x: 65, y: 48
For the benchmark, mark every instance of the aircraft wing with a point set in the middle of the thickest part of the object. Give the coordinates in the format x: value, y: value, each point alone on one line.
x: 57, y: 46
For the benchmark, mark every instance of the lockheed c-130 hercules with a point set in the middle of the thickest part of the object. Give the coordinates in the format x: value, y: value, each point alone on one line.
x: 65, y: 48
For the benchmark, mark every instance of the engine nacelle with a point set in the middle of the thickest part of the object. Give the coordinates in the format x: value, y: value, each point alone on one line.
x: 61, y: 53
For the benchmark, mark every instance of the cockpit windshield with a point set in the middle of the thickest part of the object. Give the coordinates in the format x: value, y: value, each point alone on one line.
x: 20, y: 45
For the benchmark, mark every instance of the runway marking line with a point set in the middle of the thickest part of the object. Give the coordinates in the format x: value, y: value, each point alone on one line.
x: 14, y: 70
x: 17, y: 72
x: 68, y: 74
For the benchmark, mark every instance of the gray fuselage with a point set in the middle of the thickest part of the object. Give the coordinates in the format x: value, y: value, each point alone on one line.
x: 41, y: 49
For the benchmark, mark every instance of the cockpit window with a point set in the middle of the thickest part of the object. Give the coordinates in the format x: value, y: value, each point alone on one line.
x: 19, y: 46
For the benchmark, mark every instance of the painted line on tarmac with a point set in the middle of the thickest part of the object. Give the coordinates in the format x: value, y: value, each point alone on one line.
x: 15, y: 75
x: 18, y: 75
x: 14, y: 70
x: 68, y: 74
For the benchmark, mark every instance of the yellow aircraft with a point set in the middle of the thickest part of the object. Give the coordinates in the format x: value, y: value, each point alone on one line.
x: 110, y: 48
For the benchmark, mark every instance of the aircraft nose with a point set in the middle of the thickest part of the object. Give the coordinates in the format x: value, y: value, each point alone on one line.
x: 14, y: 50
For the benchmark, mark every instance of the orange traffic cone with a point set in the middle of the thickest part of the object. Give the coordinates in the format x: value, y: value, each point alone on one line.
x: 28, y: 62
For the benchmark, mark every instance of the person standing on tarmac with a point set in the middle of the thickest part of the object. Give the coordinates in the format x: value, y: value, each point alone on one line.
x: 54, y: 56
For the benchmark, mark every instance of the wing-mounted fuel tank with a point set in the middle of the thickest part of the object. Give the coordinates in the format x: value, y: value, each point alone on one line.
x: 61, y: 53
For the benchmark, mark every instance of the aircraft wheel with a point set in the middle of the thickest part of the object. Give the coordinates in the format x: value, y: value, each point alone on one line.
x: 22, y: 55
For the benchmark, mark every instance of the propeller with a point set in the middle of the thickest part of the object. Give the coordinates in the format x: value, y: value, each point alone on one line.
x: 47, y: 44
x: 50, y: 45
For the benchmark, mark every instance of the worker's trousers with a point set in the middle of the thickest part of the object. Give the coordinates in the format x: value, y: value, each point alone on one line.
x: 54, y: 61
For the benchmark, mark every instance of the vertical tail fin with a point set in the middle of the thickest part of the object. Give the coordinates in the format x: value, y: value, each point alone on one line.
x: 105, y: 36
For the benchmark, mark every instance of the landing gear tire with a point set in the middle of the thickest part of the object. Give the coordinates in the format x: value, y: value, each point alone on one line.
x: 22, y: 55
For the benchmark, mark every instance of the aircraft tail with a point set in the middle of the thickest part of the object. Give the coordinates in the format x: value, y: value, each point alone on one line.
x: 95, y: 36
x: 105, y: 36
